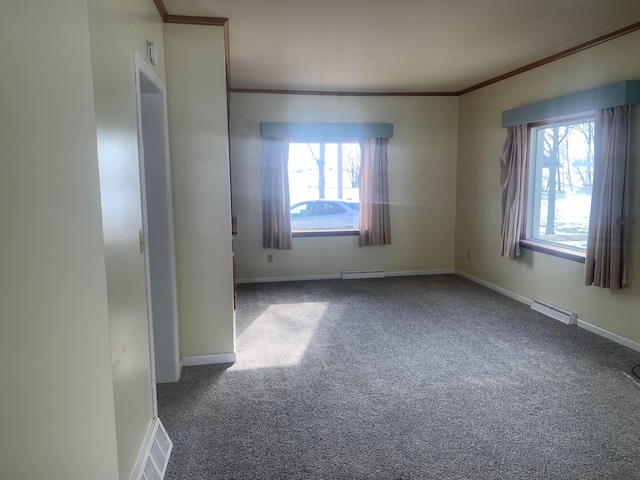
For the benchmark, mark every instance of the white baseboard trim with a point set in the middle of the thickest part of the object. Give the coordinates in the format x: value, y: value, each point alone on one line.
x: 614, y: 337
x: 295, y: 278
x: 503, y: 291
x: 180, y: 367
x: 411, y: 273
x: 160, y: 458
x: 213, y: 359
x: 337, y: 276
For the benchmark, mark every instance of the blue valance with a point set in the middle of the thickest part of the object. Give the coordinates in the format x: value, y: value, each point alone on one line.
x: 608, y: 96
x: 326, y: 132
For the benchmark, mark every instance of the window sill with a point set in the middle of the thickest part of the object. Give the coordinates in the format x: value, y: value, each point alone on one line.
x: 554, y: 250
x: 324, y: 233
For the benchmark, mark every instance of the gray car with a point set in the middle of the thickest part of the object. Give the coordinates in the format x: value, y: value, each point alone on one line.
x: 325, y: 215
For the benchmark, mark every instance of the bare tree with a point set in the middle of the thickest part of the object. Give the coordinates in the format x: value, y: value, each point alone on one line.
x: 553, y: 138
x: 351, y: 159
x: 567, y: 163
x: 586, y: 130
x: 320, y: 162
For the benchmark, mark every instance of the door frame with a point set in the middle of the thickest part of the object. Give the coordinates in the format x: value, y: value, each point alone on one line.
x: 141, y: 67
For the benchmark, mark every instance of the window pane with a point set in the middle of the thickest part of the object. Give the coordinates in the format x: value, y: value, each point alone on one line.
x: 562, y: 171
x: 303, y: 171
x: 319, y: 173
x: 351, y: 171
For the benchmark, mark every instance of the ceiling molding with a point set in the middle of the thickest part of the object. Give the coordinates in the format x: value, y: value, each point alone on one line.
x: 189, y: 20
x: 162, y: 10
x: 565, y: 53
x: 342, y: 93
x: 224, y: 22
x: 227, y: 56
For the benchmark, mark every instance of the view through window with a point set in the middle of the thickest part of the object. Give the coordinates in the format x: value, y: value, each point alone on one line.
x: 561, y: 179
x: 324, y: 186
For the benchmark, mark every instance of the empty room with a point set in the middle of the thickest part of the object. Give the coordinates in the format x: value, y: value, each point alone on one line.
x: 320, y: 239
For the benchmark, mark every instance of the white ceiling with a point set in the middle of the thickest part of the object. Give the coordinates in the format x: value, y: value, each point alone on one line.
x: 400, y: 45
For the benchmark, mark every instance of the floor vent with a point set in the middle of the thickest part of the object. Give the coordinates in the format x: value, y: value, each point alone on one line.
x: 552, y: 311
x: 353, y: 274
x: 156, y: 458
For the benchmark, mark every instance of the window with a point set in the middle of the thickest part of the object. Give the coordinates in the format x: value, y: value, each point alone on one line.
x: 560, y: 182
x: 324, y: 186
x: 322, y: 166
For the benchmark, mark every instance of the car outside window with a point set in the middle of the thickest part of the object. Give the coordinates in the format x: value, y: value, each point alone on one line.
x: 324, y: 181
x: 330, y: 208
x: 301, y: 210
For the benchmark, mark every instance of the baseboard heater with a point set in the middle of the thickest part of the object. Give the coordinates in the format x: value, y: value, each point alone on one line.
x: 353, y: 274
x: 552, y: 311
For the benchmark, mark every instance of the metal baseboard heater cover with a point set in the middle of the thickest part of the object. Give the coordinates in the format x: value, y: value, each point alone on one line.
x: 560, y: 314
x: 354, y: 274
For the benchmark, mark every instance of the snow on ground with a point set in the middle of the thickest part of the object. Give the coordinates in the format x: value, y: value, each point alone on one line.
x: 572, y: 219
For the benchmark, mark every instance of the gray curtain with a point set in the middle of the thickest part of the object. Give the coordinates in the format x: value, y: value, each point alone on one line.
x: 276, y: 215
x: 513, y: 171
x: 375, y: 226
x: 607, y: 240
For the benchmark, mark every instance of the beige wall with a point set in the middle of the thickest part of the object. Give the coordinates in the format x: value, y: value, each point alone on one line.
x: 117, y: 28
x: 57, y: 407
x: 200, y: 177
x: 422, y: 169
x: 481, y: 137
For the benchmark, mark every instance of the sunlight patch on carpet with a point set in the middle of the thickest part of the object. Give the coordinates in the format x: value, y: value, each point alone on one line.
x: 280, y: 336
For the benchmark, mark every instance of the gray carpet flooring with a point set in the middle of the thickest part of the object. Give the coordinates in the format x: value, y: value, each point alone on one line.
x: 401, y: 378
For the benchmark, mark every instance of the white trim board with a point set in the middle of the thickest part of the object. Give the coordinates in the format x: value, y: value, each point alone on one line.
x: 298, y: 278
x: 614, y: 337
x: 337, y: 276
x: 491, y: 286
x: 412, y: 273
x: 213, y: 359
x: 180, y: 367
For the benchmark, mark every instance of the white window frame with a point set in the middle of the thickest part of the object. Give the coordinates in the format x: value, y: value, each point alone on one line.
x: 528, y: 240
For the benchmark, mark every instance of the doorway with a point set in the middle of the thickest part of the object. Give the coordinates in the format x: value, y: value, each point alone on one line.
x: 157, y: 238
